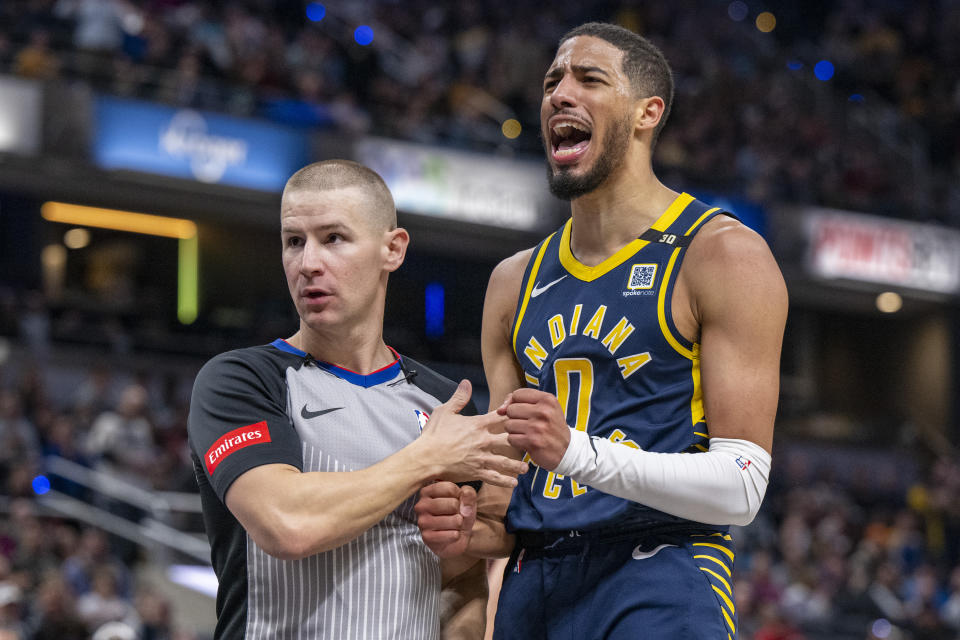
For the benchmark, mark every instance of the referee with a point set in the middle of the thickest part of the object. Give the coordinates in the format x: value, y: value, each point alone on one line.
x: 309, y: 451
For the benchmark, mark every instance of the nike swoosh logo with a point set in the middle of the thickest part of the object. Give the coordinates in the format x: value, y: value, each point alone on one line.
x: 537, y: 289
x: 307, y: 414
x: 643, y: 555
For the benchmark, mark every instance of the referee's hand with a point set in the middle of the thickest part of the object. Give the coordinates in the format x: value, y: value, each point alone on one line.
x: 467, y: 448
x: 445, y: 515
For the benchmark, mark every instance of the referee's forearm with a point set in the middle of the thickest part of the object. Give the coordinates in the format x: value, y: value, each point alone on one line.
x: 294, y: 515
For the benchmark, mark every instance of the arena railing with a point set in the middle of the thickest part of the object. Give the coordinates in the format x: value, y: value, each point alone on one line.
x: 147, y: 524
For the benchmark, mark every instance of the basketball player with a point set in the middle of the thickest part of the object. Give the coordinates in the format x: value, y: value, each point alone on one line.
x: 635, y: 353
x: 309, y: 451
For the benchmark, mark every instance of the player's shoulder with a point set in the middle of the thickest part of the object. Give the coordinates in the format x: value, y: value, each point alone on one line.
x: 506, y: 282
x: 727, y: 257
x: 725, y: 240
x: 510, y: 270
x: 433, y: 383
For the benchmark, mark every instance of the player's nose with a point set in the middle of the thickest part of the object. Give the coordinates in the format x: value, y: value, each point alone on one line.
x: 565, y: 92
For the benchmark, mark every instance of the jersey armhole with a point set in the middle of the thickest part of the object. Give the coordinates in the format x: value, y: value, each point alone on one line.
x: 668, y: 327
x: 529, y: 278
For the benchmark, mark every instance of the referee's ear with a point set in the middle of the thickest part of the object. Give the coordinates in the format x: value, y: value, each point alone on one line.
x: 395, y: 248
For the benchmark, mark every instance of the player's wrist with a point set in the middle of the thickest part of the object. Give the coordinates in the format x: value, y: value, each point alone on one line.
x: 578, y: 455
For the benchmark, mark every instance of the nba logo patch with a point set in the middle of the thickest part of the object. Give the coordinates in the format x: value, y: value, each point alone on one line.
x: 642, y: 276
x: 422, y: 417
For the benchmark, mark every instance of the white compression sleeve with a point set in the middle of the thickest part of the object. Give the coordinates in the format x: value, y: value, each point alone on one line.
x: 724, y: 485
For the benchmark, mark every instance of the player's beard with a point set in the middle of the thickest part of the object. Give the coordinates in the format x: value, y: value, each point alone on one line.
x: 566, y: 186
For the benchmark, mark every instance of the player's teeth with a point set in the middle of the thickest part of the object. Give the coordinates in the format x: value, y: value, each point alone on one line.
x: 565, y: 128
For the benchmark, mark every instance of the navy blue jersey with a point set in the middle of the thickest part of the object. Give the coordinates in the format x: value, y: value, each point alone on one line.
x: 603, y: 340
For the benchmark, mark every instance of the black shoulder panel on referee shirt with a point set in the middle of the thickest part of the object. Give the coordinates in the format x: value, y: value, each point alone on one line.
x: 234, y: 390
x: 433, y: 383
x: 235, y: 395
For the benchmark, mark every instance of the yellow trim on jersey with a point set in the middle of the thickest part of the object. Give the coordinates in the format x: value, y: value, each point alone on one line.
x: 725, y: 597
x: 719, y: 562
x: 696, y: 398
x: 702, y: 435
x: 662, y: 296
x: 589, y: 274
x: 530, y: 284
x: 700, y: 220
x: 718, y: 577
x: 727, y: 616
x: 662, y: 308
x: 715, y: 546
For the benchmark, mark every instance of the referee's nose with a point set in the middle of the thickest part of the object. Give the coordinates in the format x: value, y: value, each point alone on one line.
x: 313, y: 258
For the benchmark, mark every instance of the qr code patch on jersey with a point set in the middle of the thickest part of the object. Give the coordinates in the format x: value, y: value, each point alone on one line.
x: 642, y: 276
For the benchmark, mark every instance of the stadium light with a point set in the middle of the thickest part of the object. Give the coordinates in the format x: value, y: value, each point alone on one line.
x: 363, y: 35
x: 183, y: 230
x: 889, y: 302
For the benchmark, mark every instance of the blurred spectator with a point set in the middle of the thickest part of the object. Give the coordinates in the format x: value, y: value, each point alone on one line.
x: 93, y: 553
x: 155, y: 616
x: 103, y: 603
x: 54, y: 615
x: 11, y: 610
x: 19, y: 440
x: 122, y: 440
x: 36, y: 59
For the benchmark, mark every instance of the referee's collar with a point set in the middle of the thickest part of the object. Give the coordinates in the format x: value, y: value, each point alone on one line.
x: 366, y: 380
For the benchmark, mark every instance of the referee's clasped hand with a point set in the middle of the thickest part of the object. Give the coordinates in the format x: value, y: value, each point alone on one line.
x: 445, y: 515
x: 466, y: 448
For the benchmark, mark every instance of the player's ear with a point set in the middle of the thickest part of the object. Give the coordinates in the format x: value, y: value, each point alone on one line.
x: 395, y: 244
x: 647, y: 114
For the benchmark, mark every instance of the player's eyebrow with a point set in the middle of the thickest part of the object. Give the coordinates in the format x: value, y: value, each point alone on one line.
x: 579, y: 69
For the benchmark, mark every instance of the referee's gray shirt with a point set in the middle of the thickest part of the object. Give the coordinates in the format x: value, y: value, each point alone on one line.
x: 275, y: 404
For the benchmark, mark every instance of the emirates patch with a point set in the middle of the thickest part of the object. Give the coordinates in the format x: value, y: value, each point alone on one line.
x: 233, y: 441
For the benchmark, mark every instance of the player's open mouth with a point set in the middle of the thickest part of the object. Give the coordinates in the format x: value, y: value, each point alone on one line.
x: 569, y: 140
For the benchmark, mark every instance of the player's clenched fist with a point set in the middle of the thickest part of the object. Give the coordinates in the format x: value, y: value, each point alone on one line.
x: 535, y: 424
x: 445, y: 515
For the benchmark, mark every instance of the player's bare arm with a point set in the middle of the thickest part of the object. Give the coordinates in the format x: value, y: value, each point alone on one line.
x: 291, y: 514
x: 730, y: 287
x: 463, y: 600
x: 441, y: 523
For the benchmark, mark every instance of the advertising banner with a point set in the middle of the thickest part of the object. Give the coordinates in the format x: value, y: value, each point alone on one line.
x: 882, y: 250
x: 460, y: 185
x: 202, y: 146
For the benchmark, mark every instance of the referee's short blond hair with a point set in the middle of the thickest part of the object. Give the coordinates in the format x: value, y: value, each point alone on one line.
x: 330, y: 175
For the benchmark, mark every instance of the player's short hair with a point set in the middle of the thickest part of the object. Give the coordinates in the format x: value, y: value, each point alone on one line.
x: 329, y: 175
x: 643, y: 63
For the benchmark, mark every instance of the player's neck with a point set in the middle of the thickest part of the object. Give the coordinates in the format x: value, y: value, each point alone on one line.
x: 358, y: 349
x: 616, y: 213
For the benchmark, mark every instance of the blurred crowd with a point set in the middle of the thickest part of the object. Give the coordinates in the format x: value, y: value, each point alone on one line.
x: 751, y: 118
x: 828, y: 561
x: 61, y: 581
x: 65, y: 579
